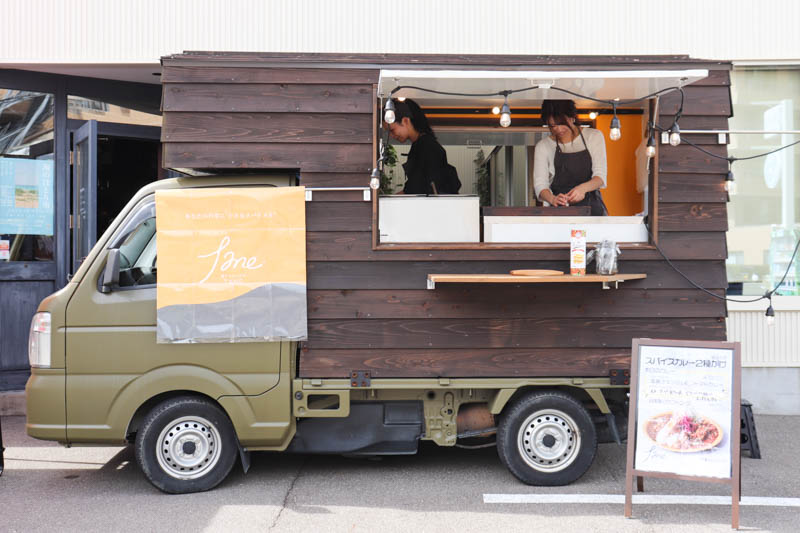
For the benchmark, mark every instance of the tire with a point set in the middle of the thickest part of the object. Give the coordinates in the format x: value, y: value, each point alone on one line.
x: 185, y: 445
x: 547, y: 438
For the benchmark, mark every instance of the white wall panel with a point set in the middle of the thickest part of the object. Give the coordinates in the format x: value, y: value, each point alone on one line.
x: 99, y: 31
x: 764, y: 345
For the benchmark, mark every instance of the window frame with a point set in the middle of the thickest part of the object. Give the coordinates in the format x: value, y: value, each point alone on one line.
x: 138, y: 215
x: 651, y: 219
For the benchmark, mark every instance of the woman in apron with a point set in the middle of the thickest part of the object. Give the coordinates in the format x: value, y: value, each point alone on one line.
x: 570, y: 165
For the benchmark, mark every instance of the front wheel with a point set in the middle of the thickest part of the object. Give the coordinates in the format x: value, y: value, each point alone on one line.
x: 547, y: 438
x: 186, y: 445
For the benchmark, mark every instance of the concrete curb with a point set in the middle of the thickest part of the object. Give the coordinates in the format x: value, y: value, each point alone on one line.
x: 12, y: 403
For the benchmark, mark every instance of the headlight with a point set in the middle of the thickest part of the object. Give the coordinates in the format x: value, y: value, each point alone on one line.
x: 39, y: 341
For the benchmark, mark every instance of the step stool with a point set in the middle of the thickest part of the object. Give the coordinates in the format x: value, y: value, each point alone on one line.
x: 749, y: 438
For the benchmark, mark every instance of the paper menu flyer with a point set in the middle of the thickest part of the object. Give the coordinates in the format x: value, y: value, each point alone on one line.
x: 683, y: 412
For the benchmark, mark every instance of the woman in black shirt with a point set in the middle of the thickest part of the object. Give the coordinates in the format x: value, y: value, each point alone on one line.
x: 426, y: 168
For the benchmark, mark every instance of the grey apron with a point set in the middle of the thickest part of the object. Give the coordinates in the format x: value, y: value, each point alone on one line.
x: 572, y: 170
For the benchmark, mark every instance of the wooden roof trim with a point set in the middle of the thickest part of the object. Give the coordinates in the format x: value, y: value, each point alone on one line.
x: 440, y: 60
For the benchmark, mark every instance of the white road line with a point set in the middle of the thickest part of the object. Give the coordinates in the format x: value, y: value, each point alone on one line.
x: 640, y: 499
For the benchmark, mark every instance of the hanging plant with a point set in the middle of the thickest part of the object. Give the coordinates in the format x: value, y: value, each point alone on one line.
x: 387, y: 174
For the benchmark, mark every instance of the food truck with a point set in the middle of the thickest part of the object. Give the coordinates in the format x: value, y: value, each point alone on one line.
x: 384, y: 319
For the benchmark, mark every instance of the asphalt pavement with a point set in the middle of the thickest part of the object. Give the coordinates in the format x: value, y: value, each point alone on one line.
x: 50, y: 488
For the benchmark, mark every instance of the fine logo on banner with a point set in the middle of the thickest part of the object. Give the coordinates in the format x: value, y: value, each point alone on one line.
x: 228, y: 259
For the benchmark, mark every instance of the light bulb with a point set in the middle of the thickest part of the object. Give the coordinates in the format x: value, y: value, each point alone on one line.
x: 770, y: 314
x: 651, y: 145
x: 495, y: 110
x: 730, y: 184
x: 505, y: 115
x: 388, y: 115
x: 593, y: 115
x: 675, y: 135
x: 615, y: 132
x: 401, y: 98
x: 375, y: 179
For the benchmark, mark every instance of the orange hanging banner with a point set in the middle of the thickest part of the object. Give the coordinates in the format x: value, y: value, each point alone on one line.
x: 232, y: 265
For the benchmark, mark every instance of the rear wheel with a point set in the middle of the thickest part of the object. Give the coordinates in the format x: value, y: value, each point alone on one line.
x: 547, y: 438
x: 186, y: 445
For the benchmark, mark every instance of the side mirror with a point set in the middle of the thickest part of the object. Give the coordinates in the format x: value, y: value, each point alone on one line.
x: 111, y: 272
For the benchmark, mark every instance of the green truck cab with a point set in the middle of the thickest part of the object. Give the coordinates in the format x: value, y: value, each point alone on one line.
x: 99, y: 377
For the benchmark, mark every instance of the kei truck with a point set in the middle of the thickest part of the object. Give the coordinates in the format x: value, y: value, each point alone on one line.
x: 283, y: 297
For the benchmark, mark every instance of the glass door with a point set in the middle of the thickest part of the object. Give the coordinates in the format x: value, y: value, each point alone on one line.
x: 84, y: 192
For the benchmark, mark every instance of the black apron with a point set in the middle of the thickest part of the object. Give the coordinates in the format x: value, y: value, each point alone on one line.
x: 572, y: 170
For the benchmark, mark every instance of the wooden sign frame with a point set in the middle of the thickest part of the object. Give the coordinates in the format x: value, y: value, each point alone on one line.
x: 735, y: 428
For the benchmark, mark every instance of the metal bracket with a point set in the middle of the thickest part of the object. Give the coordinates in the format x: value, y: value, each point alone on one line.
x: 360, y: 379
x: 722, y: 138
x: 431, y: 284
x: 616, y: 284
x: 367, y: 192
x: 620, y: 377
x: 664, y: 137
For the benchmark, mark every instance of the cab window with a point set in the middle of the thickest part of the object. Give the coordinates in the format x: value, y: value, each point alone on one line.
x: 136, y: 241
x: 137, y: 256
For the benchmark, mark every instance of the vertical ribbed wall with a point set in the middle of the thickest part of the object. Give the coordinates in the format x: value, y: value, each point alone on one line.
x: 764, y: 345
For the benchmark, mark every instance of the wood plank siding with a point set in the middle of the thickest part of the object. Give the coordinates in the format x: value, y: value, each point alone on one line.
x: 368, y: 309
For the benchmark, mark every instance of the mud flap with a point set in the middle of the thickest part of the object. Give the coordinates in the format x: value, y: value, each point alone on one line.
x: 244, y: 455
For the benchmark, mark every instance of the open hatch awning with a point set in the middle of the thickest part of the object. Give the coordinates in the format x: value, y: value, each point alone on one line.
x: 607, y: 85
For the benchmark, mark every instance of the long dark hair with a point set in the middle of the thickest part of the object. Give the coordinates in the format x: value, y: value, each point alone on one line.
x: 559, y: 111
x: 409, y: 108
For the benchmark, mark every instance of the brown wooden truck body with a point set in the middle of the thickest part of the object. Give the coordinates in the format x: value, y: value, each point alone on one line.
x: 368, y: 306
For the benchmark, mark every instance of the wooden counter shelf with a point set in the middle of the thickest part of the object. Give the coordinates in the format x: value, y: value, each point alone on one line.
x: 616, y: 279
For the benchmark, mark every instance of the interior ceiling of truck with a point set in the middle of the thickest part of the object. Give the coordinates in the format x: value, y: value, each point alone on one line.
x: 607, y: 85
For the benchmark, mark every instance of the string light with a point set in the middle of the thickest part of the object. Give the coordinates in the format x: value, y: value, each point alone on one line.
x: 770, y: 314
x: 495, y: 110
x: 593, y: 115
x: 401, y: 98
x: 375, y: 179
x: 505, y: 114
x: 730, y: 185
x: 675, y: 134
x: 615, y: 132
x: 388, y: 113
x: 651, y: 144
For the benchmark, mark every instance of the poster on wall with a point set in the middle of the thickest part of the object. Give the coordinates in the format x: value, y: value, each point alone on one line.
x: 231, y: 265
x: 26, y: 196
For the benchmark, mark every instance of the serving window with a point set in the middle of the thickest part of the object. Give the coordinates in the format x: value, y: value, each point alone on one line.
x: 496, y: 205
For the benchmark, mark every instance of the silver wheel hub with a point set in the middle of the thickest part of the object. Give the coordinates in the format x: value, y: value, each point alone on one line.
x: 188, y: 448
x: 549, y: 440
